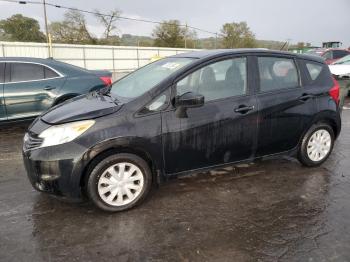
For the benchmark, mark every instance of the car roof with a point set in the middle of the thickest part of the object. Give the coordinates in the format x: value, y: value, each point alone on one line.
x: 27, y: 59
x: 64, y: 68
x: 207, y: 54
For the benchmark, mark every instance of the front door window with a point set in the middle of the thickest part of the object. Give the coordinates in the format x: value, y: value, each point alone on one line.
x: 218, y: 80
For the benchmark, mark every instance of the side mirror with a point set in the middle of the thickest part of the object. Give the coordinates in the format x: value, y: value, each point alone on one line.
x: 187, y: 100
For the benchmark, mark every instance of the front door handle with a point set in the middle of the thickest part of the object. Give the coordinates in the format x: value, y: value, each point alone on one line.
x: 305, y: 97
x: 48, y: 88
x: 243, y: 109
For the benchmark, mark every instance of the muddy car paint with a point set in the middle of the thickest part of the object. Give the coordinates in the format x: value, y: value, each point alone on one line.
x: 173, y: 145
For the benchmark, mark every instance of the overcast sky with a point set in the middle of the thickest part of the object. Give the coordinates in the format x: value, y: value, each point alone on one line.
x: 299, y: 20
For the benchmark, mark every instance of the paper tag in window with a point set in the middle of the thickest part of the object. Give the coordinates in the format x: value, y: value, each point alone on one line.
x: 170, y: 65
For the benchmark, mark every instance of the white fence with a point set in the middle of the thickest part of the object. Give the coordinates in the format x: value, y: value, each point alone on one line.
x: 117, y: 59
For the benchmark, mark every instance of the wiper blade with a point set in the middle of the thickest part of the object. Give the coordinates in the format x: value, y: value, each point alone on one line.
x: 104, y: 91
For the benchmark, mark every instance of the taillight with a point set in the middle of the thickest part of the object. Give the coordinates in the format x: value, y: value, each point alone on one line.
x: 334, y: 91
x: 107, y: 80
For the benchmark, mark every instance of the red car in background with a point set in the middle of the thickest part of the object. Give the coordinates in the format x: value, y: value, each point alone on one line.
x: 329, y: 54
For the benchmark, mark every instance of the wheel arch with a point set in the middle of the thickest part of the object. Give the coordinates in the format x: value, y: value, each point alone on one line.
x: 64, y: 97
x: 328, y: 117
x: 119, y: 149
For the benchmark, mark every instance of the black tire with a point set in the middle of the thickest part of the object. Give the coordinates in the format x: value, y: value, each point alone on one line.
x: 303, y: 156
x: 98, y: 170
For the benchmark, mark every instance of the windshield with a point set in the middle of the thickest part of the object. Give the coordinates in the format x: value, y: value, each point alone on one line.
x: 144, y: 79
x: 344, y: 61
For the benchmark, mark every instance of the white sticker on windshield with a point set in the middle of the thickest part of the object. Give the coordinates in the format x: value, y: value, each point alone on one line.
x: 171, y: 65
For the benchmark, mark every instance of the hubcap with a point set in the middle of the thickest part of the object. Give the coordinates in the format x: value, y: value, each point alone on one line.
x: 120, y: 184
x: 319, y: 145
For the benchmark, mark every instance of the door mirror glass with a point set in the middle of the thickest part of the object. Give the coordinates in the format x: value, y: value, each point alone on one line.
x: 189, y: 99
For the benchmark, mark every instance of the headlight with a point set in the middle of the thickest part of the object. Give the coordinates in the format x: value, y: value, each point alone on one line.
x: 65, y: 133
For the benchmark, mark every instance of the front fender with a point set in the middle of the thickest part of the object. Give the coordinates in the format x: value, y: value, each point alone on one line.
x: 146, y: 149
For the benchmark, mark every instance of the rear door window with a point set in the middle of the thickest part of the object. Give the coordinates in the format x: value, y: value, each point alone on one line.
x: 2, y: 72
x: 26, y: 72
x: 277, y: 73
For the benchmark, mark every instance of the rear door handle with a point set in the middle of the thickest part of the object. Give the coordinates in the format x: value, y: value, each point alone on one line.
x: 305, y: 97
x: 243, y: 109
x: 48, y: 88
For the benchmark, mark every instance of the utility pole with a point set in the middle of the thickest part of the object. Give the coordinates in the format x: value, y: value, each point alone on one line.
x: 288, y: 43
x: 216, y: 40
x: 47, y: 30
x: 186, y: 28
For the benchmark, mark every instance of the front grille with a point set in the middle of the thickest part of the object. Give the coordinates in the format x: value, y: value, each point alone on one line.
x: 32, y: 141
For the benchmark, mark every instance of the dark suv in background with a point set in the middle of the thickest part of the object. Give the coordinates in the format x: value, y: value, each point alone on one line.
x: 30, y: 86
x: 181, y: 114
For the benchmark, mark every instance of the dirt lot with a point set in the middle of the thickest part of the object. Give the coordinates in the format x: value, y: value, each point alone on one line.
x: 266, y: 211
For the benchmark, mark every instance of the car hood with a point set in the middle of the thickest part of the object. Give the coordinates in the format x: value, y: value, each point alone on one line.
x: 90, y: 106
x: 340, y: 69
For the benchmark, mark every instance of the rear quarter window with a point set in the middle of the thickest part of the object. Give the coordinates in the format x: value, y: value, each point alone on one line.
x: 318, y: 74
x: 314, y: 70
x: 48, y: 73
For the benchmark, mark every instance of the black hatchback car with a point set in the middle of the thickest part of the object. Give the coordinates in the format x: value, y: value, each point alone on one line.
x: 184, y: 113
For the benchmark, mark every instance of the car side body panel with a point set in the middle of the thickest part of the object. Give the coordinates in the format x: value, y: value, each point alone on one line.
x: 30, y: 98
x: 80, y: 84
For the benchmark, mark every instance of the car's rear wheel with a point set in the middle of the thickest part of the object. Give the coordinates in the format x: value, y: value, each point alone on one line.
x: 317, y: 144
x: 119, y: 182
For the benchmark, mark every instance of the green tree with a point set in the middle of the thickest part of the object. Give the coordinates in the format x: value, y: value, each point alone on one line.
x: 302, y: 45
x: 172, y: 34
x: 72, y: 30
x: 21, y: 28
x: 237, y: 35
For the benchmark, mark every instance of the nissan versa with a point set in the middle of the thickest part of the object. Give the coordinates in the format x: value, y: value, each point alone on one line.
x: 184, y: 113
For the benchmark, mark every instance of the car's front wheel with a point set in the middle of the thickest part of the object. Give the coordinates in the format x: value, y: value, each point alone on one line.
x: 119, y: 182
x: 316, y: 145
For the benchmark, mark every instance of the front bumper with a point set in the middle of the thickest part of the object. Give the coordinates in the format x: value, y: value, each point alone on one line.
x: 56, y: 170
